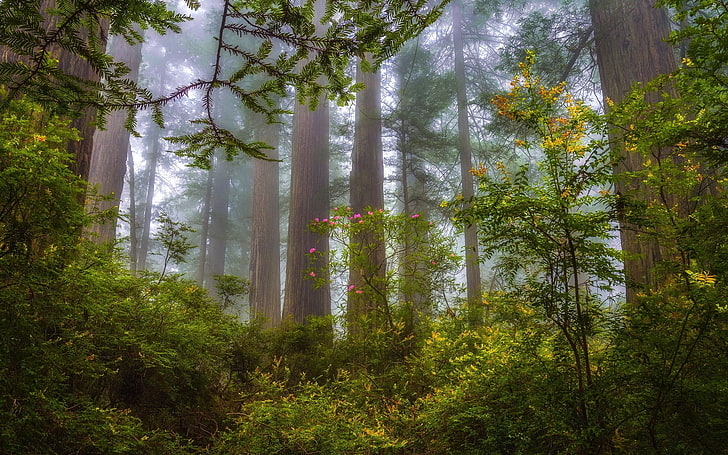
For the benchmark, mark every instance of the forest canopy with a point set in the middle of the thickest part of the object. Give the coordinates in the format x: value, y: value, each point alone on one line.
x: 506, y: 235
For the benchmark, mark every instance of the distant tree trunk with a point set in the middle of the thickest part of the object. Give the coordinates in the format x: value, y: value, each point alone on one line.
x: 472, y: 264
x: 218, y: 221
x: 133, y: 235
x: 265, y: 259
x: 367, y: 270
x: 413, y: 178
x: 205, y: 230
x: 151, y: 171
x: 630, y: 46
x: 111, y: 147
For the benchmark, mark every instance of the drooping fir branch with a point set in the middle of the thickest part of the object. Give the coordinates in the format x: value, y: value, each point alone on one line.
x: 311, y: 57
x: 34, y: 35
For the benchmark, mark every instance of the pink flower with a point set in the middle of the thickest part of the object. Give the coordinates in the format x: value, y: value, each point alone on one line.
x: 370, y: 213
x: 433, y: 262
x: 313, y: 274
x: 359, y: 291
x: 325, y: 220
x: 312, y: 250
x: 351, y: 287
x: 361, y: 221
x: 357, y: 215
x: 416, y: 215
x: 316, y: 220
x: 336, y: 208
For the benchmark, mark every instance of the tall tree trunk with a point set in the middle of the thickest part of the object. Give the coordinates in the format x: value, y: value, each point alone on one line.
x: 309, y: 199
x: 218, y: 221
x: 265, y: 259
x: 205, y: 230
x: 368, y: 267
x: 77, y: 66
x: 630, y: 45
x: 152, y: 158
x: 111, y: 147
x: 133, y: 235
x: 73, y: 65
x: 413, y: 176
x: 308, y: 295
x: 472, y: 264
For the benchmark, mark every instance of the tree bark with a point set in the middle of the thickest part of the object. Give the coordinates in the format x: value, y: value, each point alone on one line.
x: 265, y: 260
x: 133, y: 236
x: 308, y: 295
x: 111, y: 147
x: 630, y: 46
x: 368, y: 267
x: 73, y: 65
x: 472, y: 263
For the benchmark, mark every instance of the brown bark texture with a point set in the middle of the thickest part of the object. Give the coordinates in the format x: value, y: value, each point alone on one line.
x: 368, y: 267
x: 307, y: 295
x: 265, y: 258
x: 631, y: 48
x: 110, y: 148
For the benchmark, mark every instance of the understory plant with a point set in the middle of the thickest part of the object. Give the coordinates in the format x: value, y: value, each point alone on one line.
x: 548, y: 224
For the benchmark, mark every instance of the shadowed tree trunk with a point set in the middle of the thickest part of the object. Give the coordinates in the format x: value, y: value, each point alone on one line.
x: 205, y: 230
x: 73, y: 65
x: 111, y: 147
x: 630, y: 45
x: 472, y: 265
x: 368, y: 267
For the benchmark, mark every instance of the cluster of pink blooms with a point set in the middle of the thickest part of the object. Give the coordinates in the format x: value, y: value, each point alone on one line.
x: 334, y: 220
x: 352, y: 287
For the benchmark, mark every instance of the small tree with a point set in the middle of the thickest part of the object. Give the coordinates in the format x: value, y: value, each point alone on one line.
x: 174, y: 241
x: 550, y: 223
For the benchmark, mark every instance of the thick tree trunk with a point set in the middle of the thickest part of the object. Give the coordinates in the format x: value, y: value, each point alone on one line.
x: 265, y: 259
x: 111, y: 147
x: 630, y: 45
x: 73, y: 65
x: 307, y: 288
x: 308, y: 295
x: 472, y: 264
x: 368, y: 267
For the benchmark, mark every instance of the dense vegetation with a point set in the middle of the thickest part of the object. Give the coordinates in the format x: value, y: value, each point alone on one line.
x: 95, y: 359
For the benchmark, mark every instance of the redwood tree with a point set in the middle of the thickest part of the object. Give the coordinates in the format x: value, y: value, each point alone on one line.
x: 265, y: 258
x: 631, y: 48
x: 367, y: 192
x: 111, y: 147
